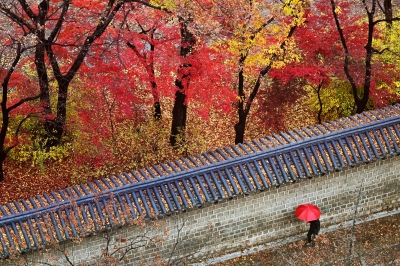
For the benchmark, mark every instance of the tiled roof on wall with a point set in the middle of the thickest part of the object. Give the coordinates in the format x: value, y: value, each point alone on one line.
x: 200, y: 179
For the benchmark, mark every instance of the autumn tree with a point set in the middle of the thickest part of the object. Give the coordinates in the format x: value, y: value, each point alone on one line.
x: 153, y: 34
x: 150, y: 30
x: 182, y: 81
x: 150, y: 70
x: 258, y: 37
x: 13, y: 92
x: 183, y: 75
x: 319, y: 70
x: 119, y: 84
x: 199, y: 74
x: 65, y: 31
x: 361, y: 86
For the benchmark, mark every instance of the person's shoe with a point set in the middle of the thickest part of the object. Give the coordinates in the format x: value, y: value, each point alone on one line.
x: 308, y: 244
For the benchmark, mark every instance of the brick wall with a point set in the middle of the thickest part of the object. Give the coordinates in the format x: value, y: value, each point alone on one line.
x: 248, y: 220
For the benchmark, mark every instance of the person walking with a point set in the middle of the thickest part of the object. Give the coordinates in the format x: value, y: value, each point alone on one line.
x: 314, y: 230
x: 311, y: 214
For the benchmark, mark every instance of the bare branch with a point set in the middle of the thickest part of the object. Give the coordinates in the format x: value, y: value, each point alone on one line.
x: 60, y: 21
x: 386, y: 20
x: 346, y: 52
x: 152, y: 6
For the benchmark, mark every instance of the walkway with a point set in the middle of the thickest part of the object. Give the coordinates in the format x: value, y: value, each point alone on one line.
x: 385, y: 224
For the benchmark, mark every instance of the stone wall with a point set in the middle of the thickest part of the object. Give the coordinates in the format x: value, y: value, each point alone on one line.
x: 245, y: 221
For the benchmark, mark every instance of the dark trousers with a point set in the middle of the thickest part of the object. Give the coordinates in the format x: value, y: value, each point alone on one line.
x: 309, y: 234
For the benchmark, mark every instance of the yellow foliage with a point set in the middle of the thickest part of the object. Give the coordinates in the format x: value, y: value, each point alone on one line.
x: 257, y: 37
x: 389, y: 44
x: 163, y: 3
x: 337, y: 101
x: 338, y: 10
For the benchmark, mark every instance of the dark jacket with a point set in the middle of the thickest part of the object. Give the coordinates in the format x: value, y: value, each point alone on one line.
x: 315, y: 226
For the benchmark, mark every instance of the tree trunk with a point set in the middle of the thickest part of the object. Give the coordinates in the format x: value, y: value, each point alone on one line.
x: 5, y: 111
x: 157, y: 111
x: 2, y: 159
x: 179, y: 115
x: 360, y: 102
x: 59, y: 123
x: 4, y: 125
x: 3, y: 133
x: 45, y: 95
x: 363, y: 100
x: 319, y: 102
x: 43, y: 79
x: 240, y: 128
x: 387, y: 4
x: 154, y: 90
x: 182, y: 83
x: 55, y: 127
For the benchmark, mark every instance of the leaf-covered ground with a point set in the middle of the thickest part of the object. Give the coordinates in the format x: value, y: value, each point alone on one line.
x: 22, y: 182
x: 375, y: 242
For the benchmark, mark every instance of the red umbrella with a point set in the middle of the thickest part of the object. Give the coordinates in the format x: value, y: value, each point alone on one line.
x: 307, y: 212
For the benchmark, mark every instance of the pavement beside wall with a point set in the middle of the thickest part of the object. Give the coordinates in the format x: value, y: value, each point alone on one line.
x: 243, y: 257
